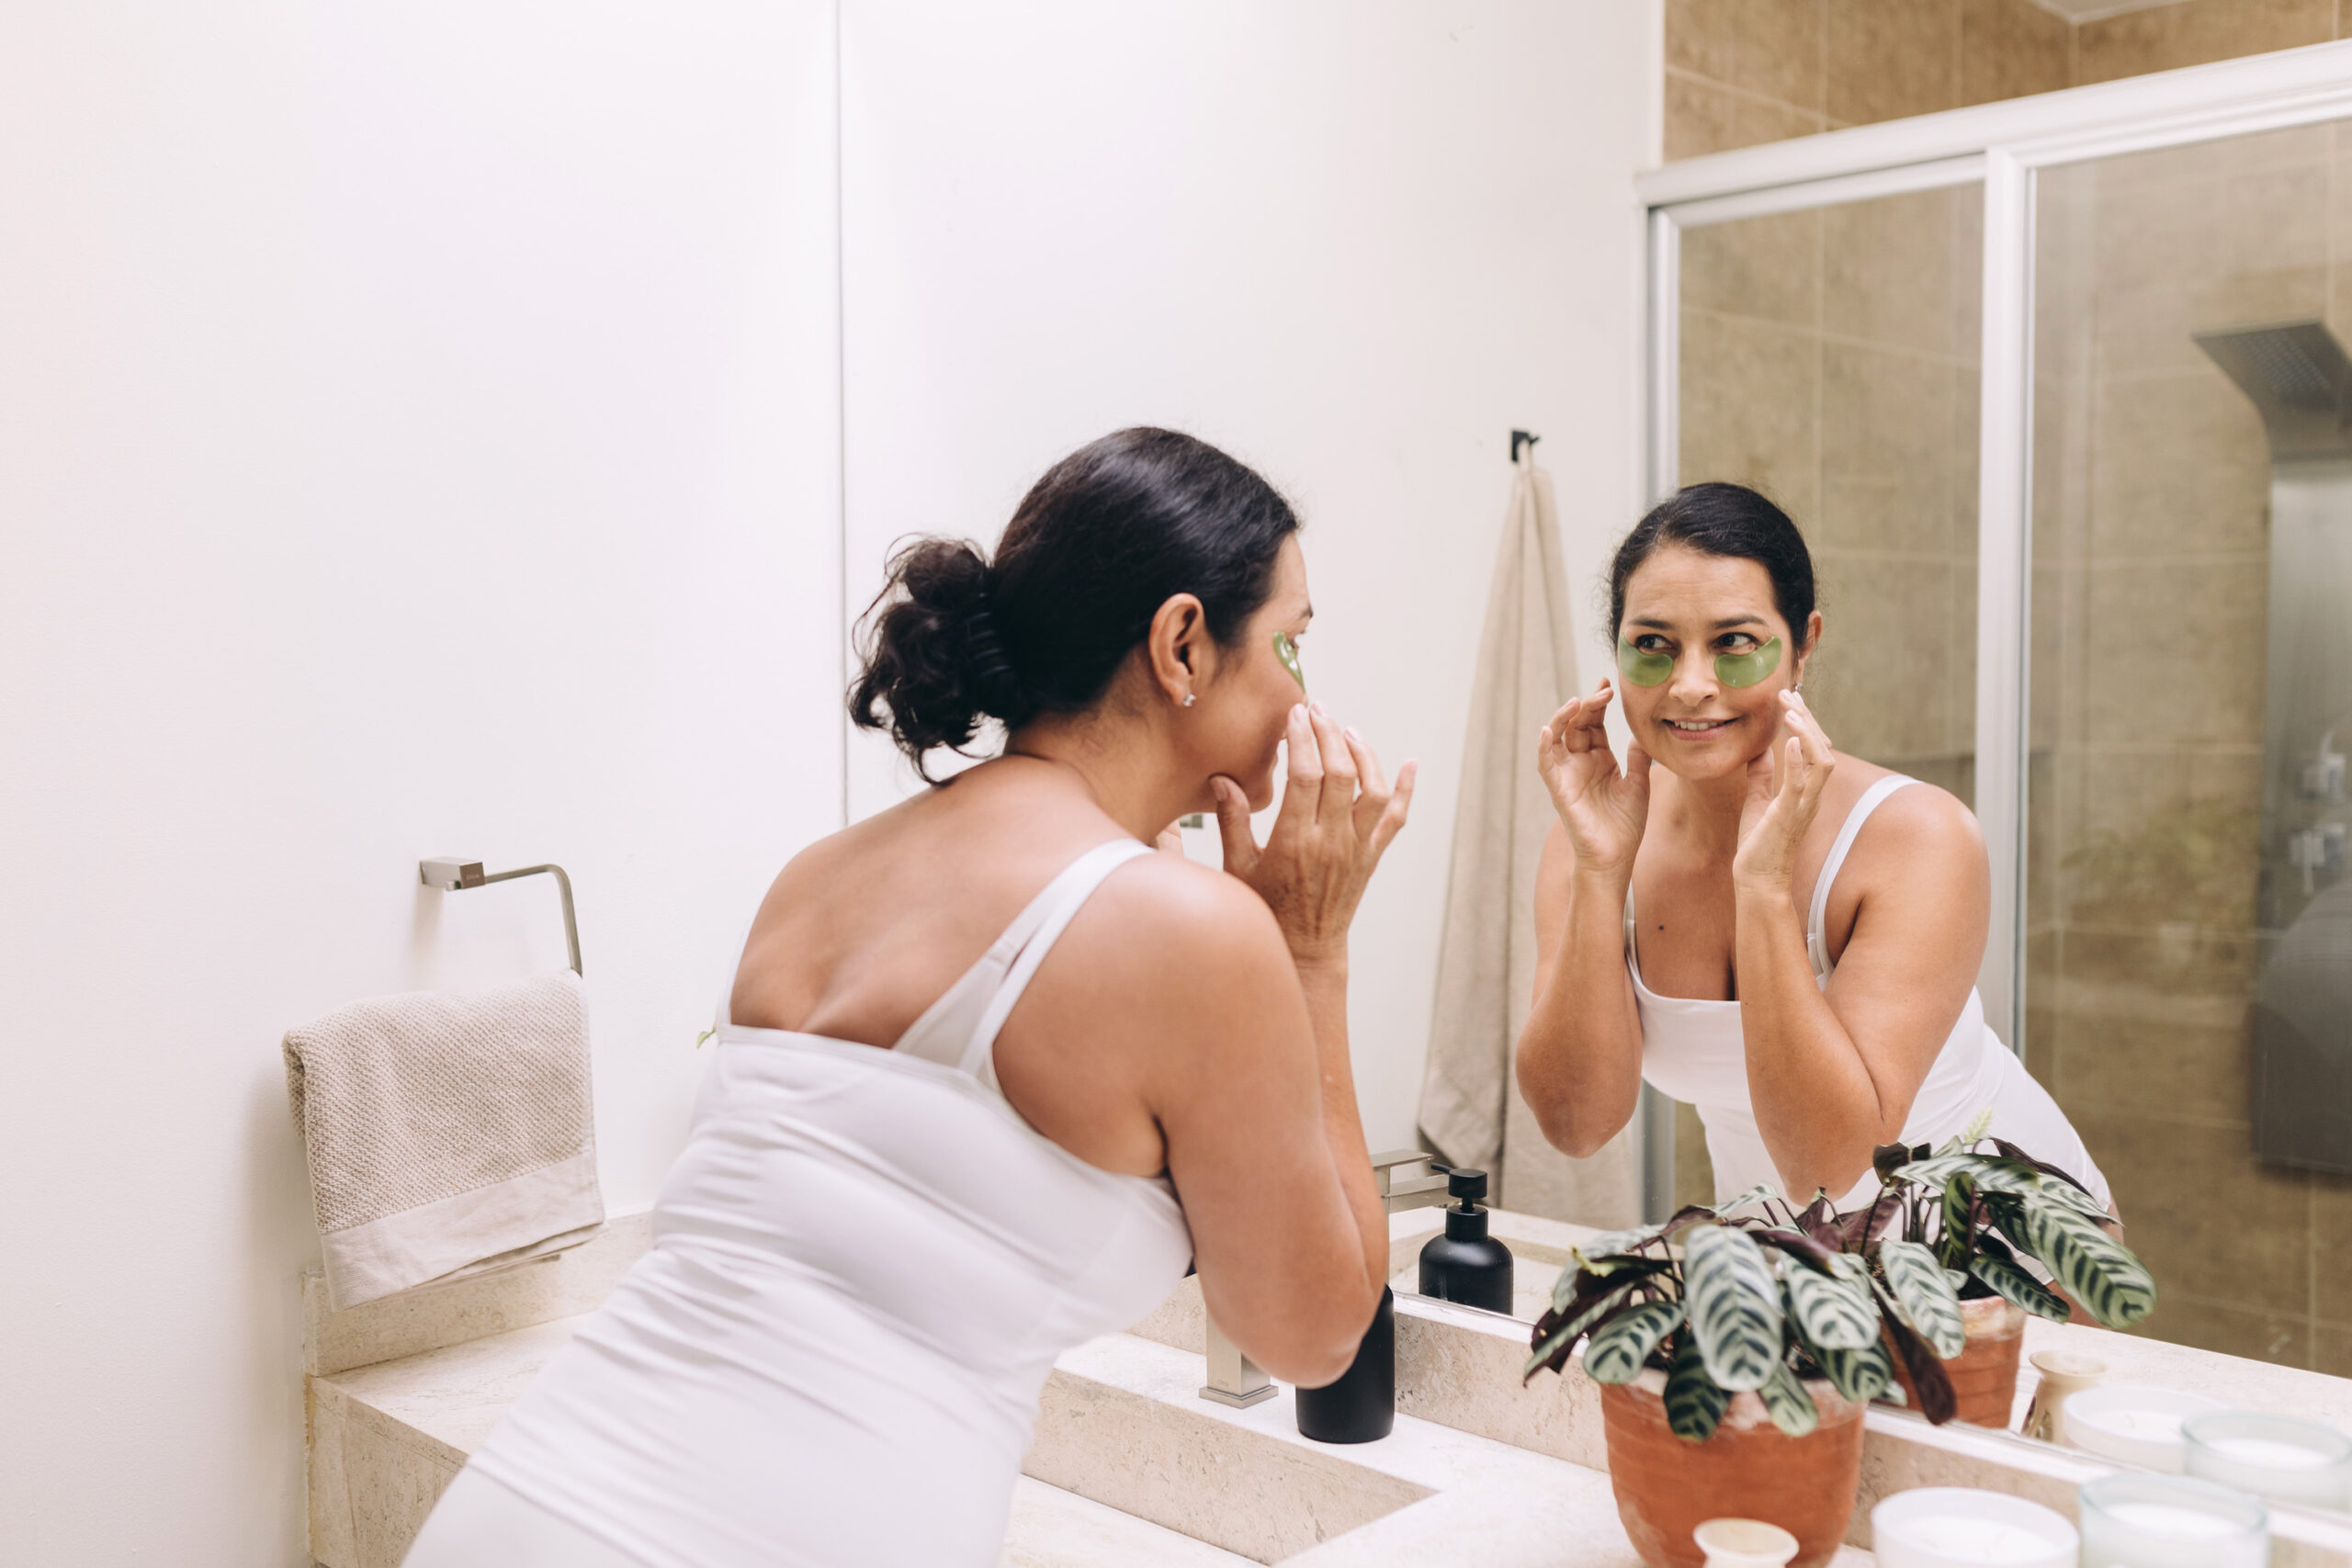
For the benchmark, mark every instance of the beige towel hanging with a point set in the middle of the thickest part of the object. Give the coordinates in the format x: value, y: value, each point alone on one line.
x: 448, y: 1135
x: 1471, y: 1107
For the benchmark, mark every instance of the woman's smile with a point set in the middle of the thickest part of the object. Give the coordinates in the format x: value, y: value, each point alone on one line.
x: 1697, y: 727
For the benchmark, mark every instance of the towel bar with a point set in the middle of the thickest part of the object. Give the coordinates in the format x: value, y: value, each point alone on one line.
x: 454, y: 875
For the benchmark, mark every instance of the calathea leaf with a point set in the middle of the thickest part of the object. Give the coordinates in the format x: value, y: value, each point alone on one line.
x: 1888, y: 1159
x: 1694, y: 1402
x: 1558, y: 1332
x: 1928, y: 1378
x: 1860, y: 1375
x: 1600, y: 1276
x: 1618, y: 1349
x: 1796, y: 1243
x: 1792, y: 1409
x: 1958, y: 1221
x: 1756, y: 1194
x: 1617, y: 1241
x: 1819, y: 1219
x: 2112, y: 1284
x: 1858, y: 1229
x: 2015, y: 1284
x: 1829, y: 1314
x: 1735, y: 1305
x: 1922, y: 1294
x: 2018, y: 1155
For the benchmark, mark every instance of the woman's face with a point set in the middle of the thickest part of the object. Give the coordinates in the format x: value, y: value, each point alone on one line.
x: 1691, y: 609
x: 1236, y: 727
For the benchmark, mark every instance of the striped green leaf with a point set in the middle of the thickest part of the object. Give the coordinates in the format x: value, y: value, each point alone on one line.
x: 2098, y: 1270
x: 1860, y: 1375
x: 1755, y: 1194
x: 1557, y: 1332
x: 1735, y: 1305
x: 1695, y: 1402
x: 1790, y: 1408
x: 1830, y: 1313
x: 1924, y: 1294
x: 1959, y: 1219
x: 1618, y: 1349
x: 1613, y: 1242
x: 2016, y: 1285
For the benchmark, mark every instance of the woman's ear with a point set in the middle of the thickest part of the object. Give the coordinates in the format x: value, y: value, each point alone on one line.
x: 1178, y: 646
x: 1812, y: 643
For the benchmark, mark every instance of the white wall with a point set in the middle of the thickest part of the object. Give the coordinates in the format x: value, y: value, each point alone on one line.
x: 1355, y: 242
x: 418, y: 432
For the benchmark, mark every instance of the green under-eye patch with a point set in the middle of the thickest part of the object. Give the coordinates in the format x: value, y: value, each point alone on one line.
x: 1644, y: 669
x: 1747, y: 668
x: 1288, y: 651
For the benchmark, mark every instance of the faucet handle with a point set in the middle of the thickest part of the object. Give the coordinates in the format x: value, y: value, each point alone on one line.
x: 1412, y: 1192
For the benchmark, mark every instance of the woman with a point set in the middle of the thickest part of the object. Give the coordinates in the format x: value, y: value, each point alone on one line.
x: 1784, y: 937
x: 978, y: 1047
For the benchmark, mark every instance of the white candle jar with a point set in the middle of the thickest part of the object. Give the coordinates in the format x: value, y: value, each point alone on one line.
x: 2170, y: 1521
x: 2276, y: 1457
x: 2135, y: 1423
x: 1961, y: 1526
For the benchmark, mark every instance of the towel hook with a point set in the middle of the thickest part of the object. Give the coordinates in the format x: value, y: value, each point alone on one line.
x: 454, y: 875
x: 1522, y: 438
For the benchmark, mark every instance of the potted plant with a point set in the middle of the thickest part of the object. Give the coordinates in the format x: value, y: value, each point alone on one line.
x: 1736, y: 1354
x: 1945, y: 1242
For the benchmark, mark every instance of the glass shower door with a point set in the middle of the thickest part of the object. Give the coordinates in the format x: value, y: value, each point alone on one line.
x: 1829, y: 358
x: 2188, y: 923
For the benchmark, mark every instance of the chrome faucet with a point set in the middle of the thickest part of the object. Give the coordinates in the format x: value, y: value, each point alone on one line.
x: 1426, y: 1192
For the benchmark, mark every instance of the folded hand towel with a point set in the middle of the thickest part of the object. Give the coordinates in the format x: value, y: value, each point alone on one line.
x: 448, y: 1135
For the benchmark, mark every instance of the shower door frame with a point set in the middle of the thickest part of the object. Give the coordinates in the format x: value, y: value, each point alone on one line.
x: 2004, y: 145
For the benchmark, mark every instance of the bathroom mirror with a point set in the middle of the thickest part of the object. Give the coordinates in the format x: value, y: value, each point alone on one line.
x: 2173, y: 948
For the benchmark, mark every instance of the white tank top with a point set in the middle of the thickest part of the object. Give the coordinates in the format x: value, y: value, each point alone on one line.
x: 864, y: 1266
x: 1695, y: 1052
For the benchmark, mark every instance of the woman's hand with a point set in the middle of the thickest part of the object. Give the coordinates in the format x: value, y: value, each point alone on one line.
x: 1602, y: 807
x: 1338, y: 815
x: 1784, y: 789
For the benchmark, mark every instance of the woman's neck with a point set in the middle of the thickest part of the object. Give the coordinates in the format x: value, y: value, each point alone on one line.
x: 1704, y: 813
x: 1124, y: 775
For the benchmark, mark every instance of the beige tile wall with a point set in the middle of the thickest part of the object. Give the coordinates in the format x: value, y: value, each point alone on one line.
x: 2150, y: 580
x: 1741, y: 72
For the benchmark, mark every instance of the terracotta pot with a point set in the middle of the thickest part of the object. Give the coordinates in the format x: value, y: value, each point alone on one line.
x: 1985, y: 1374
x: 1750, y: 1469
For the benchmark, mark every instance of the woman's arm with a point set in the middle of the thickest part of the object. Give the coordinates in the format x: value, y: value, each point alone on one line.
x: 1580, y: 1053
x: 1833, y: 1073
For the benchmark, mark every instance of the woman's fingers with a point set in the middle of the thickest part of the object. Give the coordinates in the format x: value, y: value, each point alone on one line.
x: 1376, y: 795
x: 1337, y: 798
x: 1233, y: 826
x: 1394, y: 811
x: 1304, y: 765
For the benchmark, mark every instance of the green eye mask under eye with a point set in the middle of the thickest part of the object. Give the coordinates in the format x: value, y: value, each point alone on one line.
x: 1731, y: 669
x: 1288, y: 651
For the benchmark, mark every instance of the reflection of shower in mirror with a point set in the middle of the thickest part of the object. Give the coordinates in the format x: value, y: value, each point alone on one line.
x: 2300, y: 380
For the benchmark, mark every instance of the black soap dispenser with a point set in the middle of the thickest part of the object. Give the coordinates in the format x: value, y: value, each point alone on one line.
x: 1466, y: 1264
x: 1362, y: 1406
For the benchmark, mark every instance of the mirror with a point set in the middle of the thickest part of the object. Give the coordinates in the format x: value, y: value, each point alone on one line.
x: 2183, y: 983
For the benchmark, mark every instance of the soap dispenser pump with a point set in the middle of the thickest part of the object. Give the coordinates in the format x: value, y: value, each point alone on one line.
x: 1466, y: 1264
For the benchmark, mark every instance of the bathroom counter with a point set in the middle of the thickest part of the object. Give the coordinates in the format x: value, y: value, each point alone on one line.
x: 1130, y: 1466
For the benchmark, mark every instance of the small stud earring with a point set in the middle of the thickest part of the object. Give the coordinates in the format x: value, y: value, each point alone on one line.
x: 1188, y: 699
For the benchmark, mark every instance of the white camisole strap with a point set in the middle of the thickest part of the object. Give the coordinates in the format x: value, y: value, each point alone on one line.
x: 958, y: 1030
x: 1816, y: 941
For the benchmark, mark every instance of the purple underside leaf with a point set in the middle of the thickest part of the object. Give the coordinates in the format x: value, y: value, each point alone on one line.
x: 1928, y: 1375
x: 1803, y: 1246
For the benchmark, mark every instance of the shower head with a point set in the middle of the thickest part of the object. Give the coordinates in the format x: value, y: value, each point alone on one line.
x: 2300, y: 380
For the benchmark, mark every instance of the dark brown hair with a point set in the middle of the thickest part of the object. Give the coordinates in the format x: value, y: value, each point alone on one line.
x: 1109, y: 535
x: 1721, y: 519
